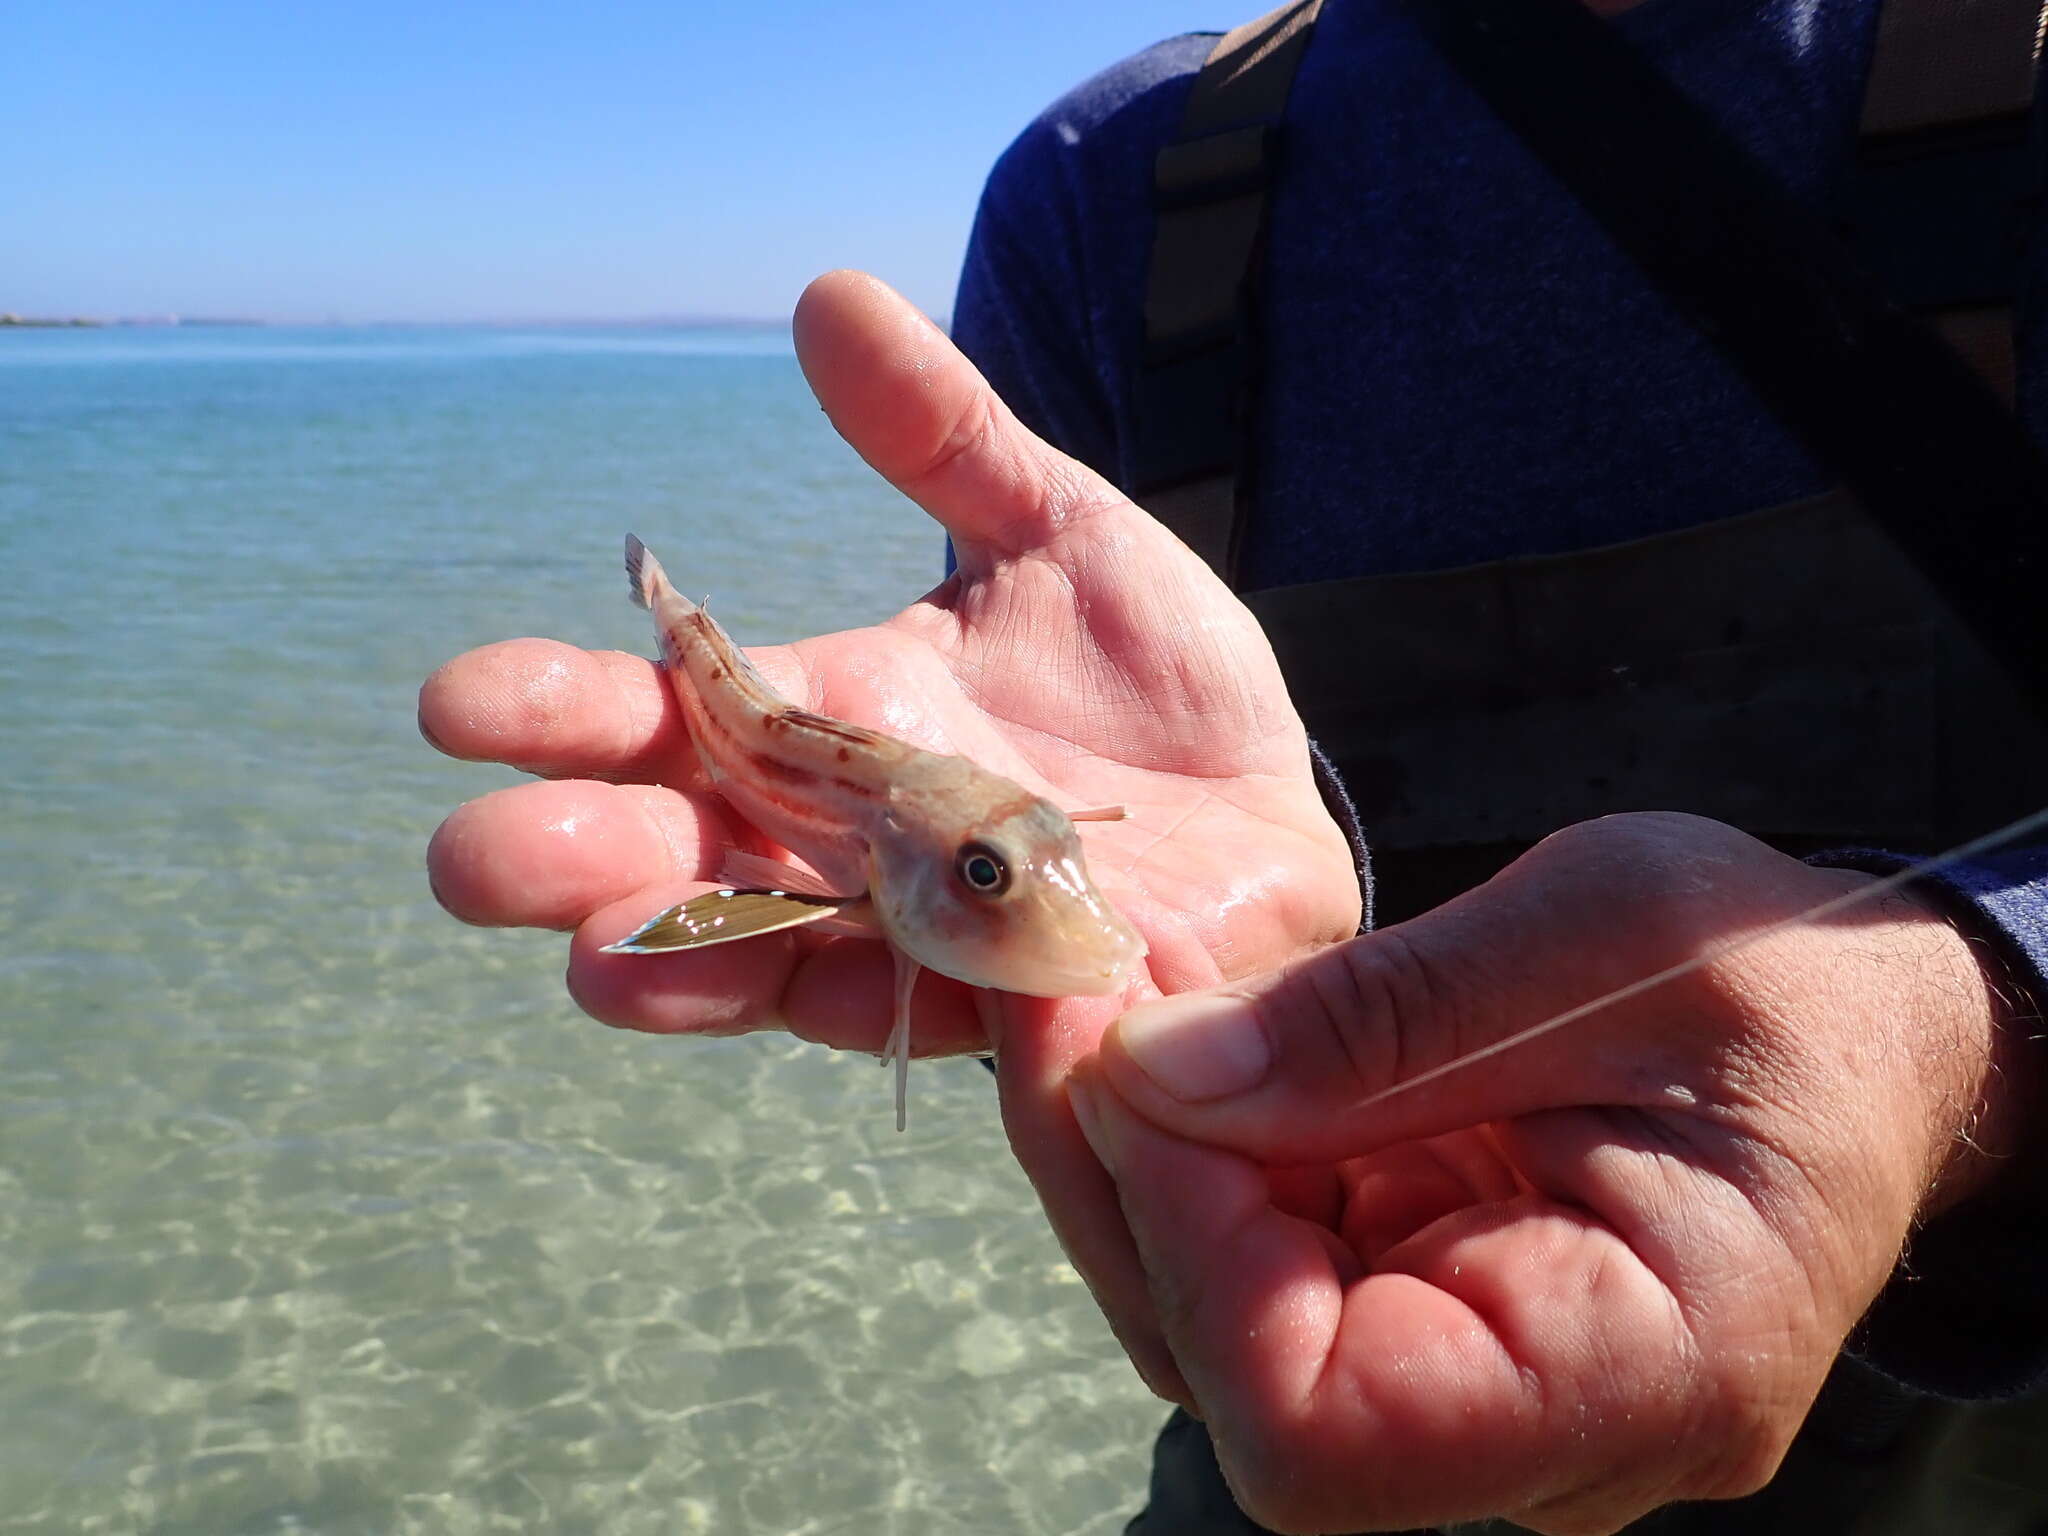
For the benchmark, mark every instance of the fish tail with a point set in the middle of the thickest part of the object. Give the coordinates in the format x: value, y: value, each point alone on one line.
x: 645, y: 579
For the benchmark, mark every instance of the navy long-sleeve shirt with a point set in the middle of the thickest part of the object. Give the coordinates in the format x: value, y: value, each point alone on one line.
x: 1460, y: 366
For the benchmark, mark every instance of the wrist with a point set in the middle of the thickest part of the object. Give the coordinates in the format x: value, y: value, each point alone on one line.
x: 1961, y: 1315
x: 1981, y: 1058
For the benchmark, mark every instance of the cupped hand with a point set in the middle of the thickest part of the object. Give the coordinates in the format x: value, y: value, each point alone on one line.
x: 1602, y: 1270
x: 1079, y: 649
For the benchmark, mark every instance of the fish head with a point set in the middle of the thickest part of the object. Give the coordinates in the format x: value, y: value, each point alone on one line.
x: 991, y: 889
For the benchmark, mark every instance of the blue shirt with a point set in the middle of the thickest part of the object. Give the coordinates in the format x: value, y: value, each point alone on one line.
x: 1460, y: 365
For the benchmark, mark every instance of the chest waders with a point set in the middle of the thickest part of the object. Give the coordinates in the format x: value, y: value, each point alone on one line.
x: 1868, y: 666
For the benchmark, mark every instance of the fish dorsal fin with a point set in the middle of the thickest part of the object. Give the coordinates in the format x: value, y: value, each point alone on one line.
x: 720, y: 917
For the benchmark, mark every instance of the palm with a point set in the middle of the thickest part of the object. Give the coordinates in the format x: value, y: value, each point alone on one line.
x: 1079, y: 649
x: 1070, y: 684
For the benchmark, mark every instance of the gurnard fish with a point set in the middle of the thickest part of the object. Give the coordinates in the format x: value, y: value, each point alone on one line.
x: 962, y: 871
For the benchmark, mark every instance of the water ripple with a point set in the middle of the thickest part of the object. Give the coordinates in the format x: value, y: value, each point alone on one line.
x: 319, y: 1212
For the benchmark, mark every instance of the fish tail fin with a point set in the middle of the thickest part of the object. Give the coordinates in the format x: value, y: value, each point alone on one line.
x: 645, y: 579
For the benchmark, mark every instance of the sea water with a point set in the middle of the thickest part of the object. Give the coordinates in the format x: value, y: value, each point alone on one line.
x: 321, y: 1212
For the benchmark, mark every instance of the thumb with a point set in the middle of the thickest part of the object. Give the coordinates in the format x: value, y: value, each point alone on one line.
x: 1296, y: 1065
x: 916, y: 409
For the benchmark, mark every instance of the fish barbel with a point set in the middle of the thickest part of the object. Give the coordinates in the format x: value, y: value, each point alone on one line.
x: 962, y: 871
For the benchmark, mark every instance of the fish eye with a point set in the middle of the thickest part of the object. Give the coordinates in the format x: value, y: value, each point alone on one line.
x: 982, y: 870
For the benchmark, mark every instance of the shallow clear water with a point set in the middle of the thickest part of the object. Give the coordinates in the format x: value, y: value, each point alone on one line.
x: 320, y: 1212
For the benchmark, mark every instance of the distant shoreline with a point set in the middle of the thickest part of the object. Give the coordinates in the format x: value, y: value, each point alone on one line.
x: 36, y: 322
x: 12, y: 321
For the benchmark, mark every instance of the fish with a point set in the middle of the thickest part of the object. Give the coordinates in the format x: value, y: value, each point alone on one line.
x: 959, y: 869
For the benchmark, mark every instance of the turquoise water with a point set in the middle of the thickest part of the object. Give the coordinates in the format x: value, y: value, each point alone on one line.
x: 320, y: 1212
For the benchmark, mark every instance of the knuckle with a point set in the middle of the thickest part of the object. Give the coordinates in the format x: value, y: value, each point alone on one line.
x: 969, y: 431
x: 1746, y: 1429
x: 1377, y: 1004
x: 1744, y: 1466
x: 1280, y: 1488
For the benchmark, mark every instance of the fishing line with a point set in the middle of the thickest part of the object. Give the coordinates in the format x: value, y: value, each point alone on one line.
x: 2010, y: 832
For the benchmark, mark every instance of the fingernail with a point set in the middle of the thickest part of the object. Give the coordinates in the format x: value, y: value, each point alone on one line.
x: 1081, y: 1098
x: 1197, y: 1048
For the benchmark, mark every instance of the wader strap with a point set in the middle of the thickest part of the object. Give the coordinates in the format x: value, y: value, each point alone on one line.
x: 1947, y: 167
x: 1660, y: 673
x: 1209, y: 197
x: 1940, y: 64
x: 1935, y: 459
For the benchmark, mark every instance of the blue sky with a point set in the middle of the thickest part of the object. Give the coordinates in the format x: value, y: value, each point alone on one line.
x: 443, y: 159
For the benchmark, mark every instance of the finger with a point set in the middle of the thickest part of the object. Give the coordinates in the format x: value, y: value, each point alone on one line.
x: 1457, y: 1380
x: 557, y: 711
x: 1393, y: 1195
x: 1288, y: 1067
x: 834, y: 992
x: 1039, y: 1046
x: 723, y: 989
x: 1299, y: 1064
x: 1314, y: 1194
x: 565, y: 713
x: 549, y: 855
x: 907, y: 400
x: 842, y: 995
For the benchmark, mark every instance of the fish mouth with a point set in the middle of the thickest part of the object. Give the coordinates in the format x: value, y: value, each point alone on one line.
x: 1052, y: 970
x: 1101, y: 984
x: 1098, y: 982
x: 1094, y: 984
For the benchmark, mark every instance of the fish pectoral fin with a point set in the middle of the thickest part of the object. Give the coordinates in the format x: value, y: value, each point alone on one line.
x: 855, y: 920
x: 1099, y: 813
x: 720, y: 917
x: 751, y: 871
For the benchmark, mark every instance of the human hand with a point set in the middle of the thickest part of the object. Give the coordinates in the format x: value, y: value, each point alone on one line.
x: 1079, y: 649
x: 1604, y: 1270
